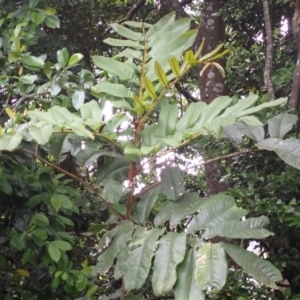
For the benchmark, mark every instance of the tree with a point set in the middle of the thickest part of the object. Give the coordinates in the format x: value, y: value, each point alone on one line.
x: 135, y: 205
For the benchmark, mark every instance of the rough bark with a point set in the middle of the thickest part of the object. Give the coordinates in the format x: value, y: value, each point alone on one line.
x: 211, y: 83
x: 269, y: 51
x: 295, y: 96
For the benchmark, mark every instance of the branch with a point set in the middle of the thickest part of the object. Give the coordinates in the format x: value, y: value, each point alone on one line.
x: 269, y: 51
x: 185, y: 93
x: 135, y: 7
x: 86, y: 184
x: 222, y: 157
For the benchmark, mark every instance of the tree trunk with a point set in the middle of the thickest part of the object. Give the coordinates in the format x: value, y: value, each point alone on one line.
x: 295, y: 96
x: 212, y: 29
x: 211, y: 83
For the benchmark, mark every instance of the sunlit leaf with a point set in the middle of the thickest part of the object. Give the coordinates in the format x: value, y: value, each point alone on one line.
x: 211, y: 266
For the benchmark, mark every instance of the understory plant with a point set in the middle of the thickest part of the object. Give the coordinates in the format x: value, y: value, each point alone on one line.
x: 158, y: 238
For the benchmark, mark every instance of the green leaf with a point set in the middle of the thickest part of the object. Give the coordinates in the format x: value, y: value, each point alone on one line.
x: 191, y: 115
x: 40, y: 220
x: 62, y: 57
x: 91, y: 111
x: 170, y: 253
x: 174, y: 44
x: 249, y: 229
x: 139, y: 261
x: 18, y: 242
x: 52, y: 21
x: 114, y: 89
x: 66, y: 221
x: 261, y: 270
x: 78, y: 99
x: 250, y: 120
x: 116, y: 169
x: 88, y: 156
x: 185, y: 206
x: 167, y: 120
x: 130, y: 53
x: 65, y: 201
x: 37, y: 17
x: 121, y: 235
x: 176, y: 211
x: 74, y: 59
x: 146, y: 203
x: 62, y: 143
x: 127, y: 33
x: 55, y: 202
x: 5, y: 186
x: 54, y: 252
x: 174, y: 64
x: 211, y: 267
x: 252, y: 110
x: 241, y: 105
x: 32, y: 61
x: 92, y: 290
x: 186, y: 287
x: 33, y: 3
x: 255, y: 133
x: 210, y: 112
x: 216, y: 210
x: 40, y: 233
x: 137, y: 24
x: 172, y: 182
x: 10, y: 142
x: 281, y: 124
x: 50, y: 11
x: 122, y: 70
x: 288, y: 150
x: 28, y: 79
x: 41, y: 132
x: 161, y: 24
x: 149, y: 88
x: 161, y: 75
x: 123, y: 43
x: 112, y: 191
x: 62, y: 245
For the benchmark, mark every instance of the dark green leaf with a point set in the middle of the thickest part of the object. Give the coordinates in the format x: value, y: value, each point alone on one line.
x: 63, y: 57
x: 52, y: 21
x: 17, y: 242
x: 172, y: 182
x: 54, y: 252
x: 62, y: 245
x: 55, y: 202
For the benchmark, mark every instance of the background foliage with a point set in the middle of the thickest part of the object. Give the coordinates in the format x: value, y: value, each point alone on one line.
x: 74, y: 190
